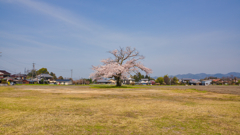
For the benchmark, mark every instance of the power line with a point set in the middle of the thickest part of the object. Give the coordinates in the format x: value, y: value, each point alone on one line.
x: 8, y: 69
x: 24, y: 63
x: 10, y: 62
x: 54, y: 67
x: 16, y: 60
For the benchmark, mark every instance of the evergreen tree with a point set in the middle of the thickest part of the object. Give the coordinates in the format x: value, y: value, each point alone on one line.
x: 166, y: 79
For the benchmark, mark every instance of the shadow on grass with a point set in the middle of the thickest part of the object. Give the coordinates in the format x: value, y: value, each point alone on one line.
x: 112, y: 86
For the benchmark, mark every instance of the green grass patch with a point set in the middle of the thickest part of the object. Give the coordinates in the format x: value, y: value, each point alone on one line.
x: 190, y: 91
x: 200, y: 91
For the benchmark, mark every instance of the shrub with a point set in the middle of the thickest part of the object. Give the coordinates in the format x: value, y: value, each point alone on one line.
x: 4, y: 81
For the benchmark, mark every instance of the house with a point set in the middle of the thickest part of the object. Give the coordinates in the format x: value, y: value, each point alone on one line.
x: 206, y: 82
x: 112, y: 81
x: 19, y: 76
x: 4, y: 74
x: 15, y: 81
x: 44, y: 77
x: 64, y: 82
x: 216, y: 81
x: 152, y: 82
x: 194, y: 82
x: 8, y: 79
x: 25, y: 82
x: 104, y: 82
x: 186, y: 80
x: 128, y: 81
x: 144, y: 81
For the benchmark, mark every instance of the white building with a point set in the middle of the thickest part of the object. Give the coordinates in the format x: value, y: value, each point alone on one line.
x: 128, y: 81
x: 64, y: 82
x: 144, y: 81
x: 206, y: 82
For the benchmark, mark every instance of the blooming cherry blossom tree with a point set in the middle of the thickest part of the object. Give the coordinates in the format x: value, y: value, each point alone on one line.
x: 125, y: 62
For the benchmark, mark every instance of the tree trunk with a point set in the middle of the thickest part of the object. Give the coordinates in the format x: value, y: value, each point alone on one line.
x: 118, y: 81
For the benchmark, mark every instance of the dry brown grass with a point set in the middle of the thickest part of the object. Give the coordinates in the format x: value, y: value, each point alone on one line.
x: 145, y: 110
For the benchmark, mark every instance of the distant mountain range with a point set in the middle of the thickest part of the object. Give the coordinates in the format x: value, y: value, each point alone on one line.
x: 203, y: 75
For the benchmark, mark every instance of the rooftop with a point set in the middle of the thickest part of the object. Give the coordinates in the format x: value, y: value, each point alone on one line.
x: 63, y: 80
x: 103, y: 81
x: 45, y: 75
x: 4, y: 72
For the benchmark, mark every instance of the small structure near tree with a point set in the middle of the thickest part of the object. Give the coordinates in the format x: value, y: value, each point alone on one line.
x: 64, y: 82
x: 103, y: 82
x: 206, y: 82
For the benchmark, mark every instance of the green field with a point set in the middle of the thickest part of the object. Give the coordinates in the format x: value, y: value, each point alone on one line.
x: 111, y: 110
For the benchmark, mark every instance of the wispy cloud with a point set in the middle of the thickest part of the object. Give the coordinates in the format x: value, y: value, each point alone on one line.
x: 89, y: 32
x: 97, y: 35
x: 27, y: 39
x: 58, y: 13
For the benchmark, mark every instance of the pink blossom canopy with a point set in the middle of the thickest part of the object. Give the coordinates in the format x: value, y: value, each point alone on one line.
x: 125, y: 63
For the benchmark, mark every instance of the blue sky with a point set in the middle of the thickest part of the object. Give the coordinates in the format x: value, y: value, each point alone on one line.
x: 176, y: 36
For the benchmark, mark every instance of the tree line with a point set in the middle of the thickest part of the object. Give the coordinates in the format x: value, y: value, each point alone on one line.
x: 34, y: 73
x: 166, y: 80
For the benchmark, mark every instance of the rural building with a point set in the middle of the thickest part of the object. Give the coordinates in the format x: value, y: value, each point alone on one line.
x: 64, y: 82
x: 104, y: 82
x: 128, y: 81
x: 19, y: 76
x: 112, y: 81
x: 186, y: 80
x: 9, y: 79
x: 206, y: 82
x: 26, y: 82
x: 194, y: 82
x: 4, y: 74
x: 17, y: 81
x: 144, y: 82
x: 44, y: 76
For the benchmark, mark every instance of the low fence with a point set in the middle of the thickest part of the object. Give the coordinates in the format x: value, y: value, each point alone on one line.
x: 3, y: 84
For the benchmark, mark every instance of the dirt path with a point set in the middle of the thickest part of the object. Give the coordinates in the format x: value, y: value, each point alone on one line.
x: 88, y: 89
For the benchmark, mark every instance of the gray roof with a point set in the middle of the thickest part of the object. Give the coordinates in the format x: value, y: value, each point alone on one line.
x: 195, y: 81
x: 63, y: 80
x: 186, y: 79
x: 31, y: 80
x: 206, y: 80
x: 103, y: 81
x: 129, y: 79
x: 45, y: 75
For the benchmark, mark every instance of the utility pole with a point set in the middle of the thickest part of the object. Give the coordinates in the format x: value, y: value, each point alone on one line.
x: 71, y: 73
x: 32, y: 71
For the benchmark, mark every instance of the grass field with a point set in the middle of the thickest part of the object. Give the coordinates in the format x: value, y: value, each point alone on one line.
x: 111, y: 110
